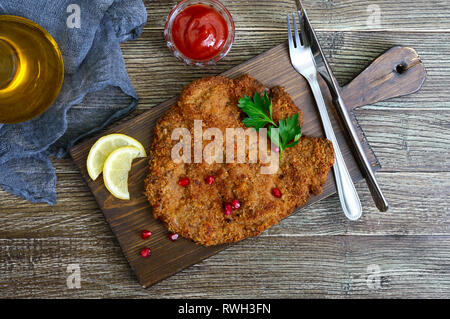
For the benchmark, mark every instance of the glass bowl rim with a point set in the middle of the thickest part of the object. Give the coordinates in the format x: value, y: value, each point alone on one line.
x: 189, y: 61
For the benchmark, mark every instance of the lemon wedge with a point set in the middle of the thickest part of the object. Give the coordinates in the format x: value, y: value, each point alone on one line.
x: 116, y: 168
x: 104, y: 147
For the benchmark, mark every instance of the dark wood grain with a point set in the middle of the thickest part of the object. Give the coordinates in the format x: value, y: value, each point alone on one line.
x: 335, y: 15
x: 333, y: 266
x: 77, y: 216
x: 273, y: 68
x: 406, y: 75
x: 410, y: 136
x: 158, y: 76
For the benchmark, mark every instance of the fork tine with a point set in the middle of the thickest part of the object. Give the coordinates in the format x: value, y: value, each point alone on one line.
x: 297, y: 36
x: 291, y: 41
x: 303, y: 34
x: 290, y: 38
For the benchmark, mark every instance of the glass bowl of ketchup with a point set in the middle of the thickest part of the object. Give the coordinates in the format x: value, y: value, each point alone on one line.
x: 199, y: 32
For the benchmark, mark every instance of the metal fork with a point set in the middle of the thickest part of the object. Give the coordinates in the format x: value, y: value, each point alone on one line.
x: 303, y: 62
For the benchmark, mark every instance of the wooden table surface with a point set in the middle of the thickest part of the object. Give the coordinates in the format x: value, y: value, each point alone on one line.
x: 317, y: 253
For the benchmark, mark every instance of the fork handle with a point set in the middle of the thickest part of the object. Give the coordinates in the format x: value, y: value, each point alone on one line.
x: 348, y: 196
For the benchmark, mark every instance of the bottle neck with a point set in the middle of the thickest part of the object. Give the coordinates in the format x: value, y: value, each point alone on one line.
x: 9, y: 63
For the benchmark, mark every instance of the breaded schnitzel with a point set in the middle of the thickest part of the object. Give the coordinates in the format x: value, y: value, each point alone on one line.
x: 196, y: 211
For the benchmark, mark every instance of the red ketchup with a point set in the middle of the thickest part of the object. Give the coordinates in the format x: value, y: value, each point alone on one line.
x: 199, y: 32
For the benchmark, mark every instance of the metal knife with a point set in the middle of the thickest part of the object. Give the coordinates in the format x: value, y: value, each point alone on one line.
x: 325, y: 71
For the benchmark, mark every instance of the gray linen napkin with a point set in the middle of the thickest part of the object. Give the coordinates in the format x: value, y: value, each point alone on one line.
x: 95, y: 92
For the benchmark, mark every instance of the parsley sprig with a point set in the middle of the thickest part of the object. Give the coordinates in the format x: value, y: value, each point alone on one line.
x: 259, y: 112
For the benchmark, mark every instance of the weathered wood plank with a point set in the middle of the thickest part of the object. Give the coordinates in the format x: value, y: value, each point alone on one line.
x: 419, y: 206
x: 326, y: 15
x: 186, y: 253
x: 412, y: 266
x: 277, y: 267
x: 351, y: 52
x: 408, y: 140
x: 158, y: 76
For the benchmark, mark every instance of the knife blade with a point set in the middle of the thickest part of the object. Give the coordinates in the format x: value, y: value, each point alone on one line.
x: 325, y: 71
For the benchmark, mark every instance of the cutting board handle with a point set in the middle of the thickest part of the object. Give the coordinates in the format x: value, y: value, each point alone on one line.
x: 399, y: 71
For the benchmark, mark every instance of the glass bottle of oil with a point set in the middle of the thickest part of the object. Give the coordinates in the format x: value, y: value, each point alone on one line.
x: 31, y: 69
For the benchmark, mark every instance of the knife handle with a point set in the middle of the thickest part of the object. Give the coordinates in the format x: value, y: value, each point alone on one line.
x: 375, y: 190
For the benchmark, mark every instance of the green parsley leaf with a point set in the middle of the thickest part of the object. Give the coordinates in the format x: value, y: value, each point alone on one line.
x: 258, y: 110
x: 287, y: 134
x: 289, y: 131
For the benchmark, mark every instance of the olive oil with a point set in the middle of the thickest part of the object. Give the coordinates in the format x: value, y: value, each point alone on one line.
x: 31, y: 69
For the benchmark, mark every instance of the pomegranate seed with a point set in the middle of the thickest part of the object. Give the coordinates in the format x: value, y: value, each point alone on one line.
x: 184, y: 182
x: 228, y: 209
x: 276, y: 192
x: 146, y: 234
x: 209, y: 180
x: 235, y: 204
x: 173, y: 237
x: 145, y: 252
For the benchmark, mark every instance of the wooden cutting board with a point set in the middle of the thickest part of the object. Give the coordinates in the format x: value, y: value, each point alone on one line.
x: 397, y: 72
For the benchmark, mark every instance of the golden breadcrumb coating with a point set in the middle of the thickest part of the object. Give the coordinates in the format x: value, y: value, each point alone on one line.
x: 197, y: 211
